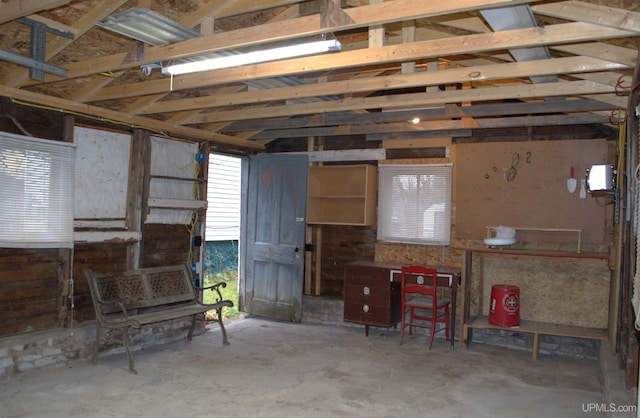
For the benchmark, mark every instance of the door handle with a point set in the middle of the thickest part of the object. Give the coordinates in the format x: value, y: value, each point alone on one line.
x: 297, y: 249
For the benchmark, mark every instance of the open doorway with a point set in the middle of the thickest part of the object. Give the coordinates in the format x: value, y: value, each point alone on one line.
x: 222, y: 230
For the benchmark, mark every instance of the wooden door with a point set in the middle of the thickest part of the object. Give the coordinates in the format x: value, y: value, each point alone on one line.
x: 275, y: 236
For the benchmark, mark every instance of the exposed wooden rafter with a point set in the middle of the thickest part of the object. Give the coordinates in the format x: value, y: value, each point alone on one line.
x: 397, y: 54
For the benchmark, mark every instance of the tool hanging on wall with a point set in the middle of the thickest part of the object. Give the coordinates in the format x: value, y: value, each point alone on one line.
x: 510, y: 173
x: 571, y: 182
x: 583, y: 191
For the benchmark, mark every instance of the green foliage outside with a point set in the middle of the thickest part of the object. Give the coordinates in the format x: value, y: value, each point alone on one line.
x: 230, y: 277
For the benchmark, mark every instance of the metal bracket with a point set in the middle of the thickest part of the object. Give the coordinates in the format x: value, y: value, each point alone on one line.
x: 36, y: 62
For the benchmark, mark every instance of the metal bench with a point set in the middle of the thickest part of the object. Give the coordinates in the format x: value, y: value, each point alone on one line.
x: 131, y: 299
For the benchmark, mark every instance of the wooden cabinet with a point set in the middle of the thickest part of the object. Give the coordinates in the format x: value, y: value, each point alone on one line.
x: 370, y: 296
x: 342, y: 195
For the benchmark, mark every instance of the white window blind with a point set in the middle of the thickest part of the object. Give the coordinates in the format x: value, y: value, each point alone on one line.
x: 414, y: 203
x: 36, y: 189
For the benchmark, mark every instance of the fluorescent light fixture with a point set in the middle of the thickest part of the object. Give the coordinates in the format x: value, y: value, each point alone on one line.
x: 147, y: 26
x: 254, y: 57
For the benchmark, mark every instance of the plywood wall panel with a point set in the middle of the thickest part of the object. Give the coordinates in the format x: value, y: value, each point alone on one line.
x: 524, y: 184
x: 561, y: 291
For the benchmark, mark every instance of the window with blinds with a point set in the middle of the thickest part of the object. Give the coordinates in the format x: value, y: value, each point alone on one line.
x: 414, y: 203
x: 36, y: 185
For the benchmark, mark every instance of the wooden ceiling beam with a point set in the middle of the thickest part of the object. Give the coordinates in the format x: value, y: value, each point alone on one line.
x: 397, y: 81
x: 411, y: 100
x: 592, y: 13
x: 614, y: 53
x: 130, y: 121
x: 444, y: 112
x: 517, y: 38
x: 360, y: 17
x: 442, y: 125
x: 290, y: 29
x: 226, y: 8
x: 14, y: 9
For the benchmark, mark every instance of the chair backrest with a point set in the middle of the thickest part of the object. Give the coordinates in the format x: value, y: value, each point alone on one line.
x: 419, y: 280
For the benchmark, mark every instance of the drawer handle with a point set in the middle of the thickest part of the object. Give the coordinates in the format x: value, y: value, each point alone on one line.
x: 365, y: 308
x: 366, y: 290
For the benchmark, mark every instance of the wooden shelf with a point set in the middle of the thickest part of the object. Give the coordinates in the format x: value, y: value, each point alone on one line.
x: 342, y: 195
x: 540, y: 253
x: 563, y: 230
x: 546, y: 328
x: 536, y: 328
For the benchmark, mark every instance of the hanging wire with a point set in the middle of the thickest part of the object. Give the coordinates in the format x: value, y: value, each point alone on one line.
x: 71, y: 290
x: 635, y: 298
x: 195, y: 217
x: 619, y: 86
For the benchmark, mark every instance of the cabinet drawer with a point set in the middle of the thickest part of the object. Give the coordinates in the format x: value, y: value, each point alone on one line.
x: 362, y: 293
x: 363, y: 313
x: 367, y: 276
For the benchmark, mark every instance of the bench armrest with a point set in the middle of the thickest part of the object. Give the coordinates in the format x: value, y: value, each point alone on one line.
x: 215, y: 288
x: 220, y: 303
x: 125, y: 320
x: 119, y: 302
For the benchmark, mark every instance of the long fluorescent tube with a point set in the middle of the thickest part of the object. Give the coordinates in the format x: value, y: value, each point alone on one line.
x: 255, y: 57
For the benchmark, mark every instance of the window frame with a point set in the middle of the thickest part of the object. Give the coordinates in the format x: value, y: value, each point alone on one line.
x: 396, y: 226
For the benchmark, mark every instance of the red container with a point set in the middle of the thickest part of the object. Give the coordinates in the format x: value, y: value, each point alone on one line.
x: 504, y: 307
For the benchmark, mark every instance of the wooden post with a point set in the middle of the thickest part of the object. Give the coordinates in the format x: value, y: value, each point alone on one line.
x: 465, y: 296
x: 308, y: 255
x: 135, y: 200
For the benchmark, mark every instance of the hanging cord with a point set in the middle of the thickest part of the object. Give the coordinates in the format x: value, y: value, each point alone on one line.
x: 195, y: 217
x: 619, y: 86
x: 635, y: 298
x: 18, y: 125
x: 71, y: 291
x: 618, y: 117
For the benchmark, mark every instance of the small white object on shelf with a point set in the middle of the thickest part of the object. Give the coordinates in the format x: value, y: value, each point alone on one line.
x: 504, y: 236
x: 500, y: 241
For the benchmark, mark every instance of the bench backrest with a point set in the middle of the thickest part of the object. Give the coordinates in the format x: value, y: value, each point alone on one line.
x: 147, y: 287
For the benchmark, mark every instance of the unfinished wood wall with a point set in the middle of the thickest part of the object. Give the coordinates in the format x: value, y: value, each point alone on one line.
x: 97, y: 257
x: 341, y: 245
x: 164, y: 245
x: 29, y: 290
x: 35, y: 293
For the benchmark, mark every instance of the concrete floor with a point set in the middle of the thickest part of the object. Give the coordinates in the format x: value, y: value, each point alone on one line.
x: 275, y: 369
